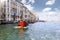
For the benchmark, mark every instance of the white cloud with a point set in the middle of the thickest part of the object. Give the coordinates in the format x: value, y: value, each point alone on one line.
x: 47, y: 9
x: 23, y: 1
x: 50, y: 15
x: 28, y: 4
x: 32, y: 1
x: 50, y: 2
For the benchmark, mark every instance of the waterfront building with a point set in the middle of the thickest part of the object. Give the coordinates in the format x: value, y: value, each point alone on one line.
x: 32, y: 17
x: 11, y: 9
x: 26, y: 14
x: 14, y: 11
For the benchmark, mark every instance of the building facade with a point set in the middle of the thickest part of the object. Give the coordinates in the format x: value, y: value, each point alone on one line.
x: 12, y: 10
x: 32, y: 17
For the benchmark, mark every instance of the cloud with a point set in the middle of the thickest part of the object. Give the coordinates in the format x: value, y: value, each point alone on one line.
x: 50, y: 2
x: 23, y: 1
x: 50, y: 15
x: 28, y: 4
x: 47, y: 9
x: 32, y: 1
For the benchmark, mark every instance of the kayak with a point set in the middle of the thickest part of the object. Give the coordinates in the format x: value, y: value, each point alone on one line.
x: 22, y: 23
x: 20, y: 27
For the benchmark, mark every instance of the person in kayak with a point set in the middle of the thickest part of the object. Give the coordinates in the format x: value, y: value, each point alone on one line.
x: 22, y: 23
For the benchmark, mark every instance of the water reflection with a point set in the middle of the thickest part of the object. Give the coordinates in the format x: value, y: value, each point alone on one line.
x: 21, y: 31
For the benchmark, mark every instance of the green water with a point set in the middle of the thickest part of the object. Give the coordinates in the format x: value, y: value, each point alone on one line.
x: 8, y: 32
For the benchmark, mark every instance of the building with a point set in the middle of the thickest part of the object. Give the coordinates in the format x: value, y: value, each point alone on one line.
x: 11, y: 9
x: 32, y: 17
x: 14, y: 11
x: 26, y: 14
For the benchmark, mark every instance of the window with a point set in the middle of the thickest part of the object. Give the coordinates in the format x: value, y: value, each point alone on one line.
x: 25, y: 16
x: 21, y: 12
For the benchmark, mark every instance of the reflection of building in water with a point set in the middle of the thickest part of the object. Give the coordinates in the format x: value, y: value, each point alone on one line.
x: 12, y: 10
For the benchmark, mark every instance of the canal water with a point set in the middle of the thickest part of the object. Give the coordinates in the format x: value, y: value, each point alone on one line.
x: 36, y: 31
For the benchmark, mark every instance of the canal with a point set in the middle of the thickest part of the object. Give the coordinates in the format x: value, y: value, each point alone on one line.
x: 36, y: 31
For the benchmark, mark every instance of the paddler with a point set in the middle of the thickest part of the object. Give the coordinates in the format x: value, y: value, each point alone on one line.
x: 22, y: 23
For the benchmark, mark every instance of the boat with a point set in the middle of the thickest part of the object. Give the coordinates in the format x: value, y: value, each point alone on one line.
x: 22, y: 24
x: 19, y: 27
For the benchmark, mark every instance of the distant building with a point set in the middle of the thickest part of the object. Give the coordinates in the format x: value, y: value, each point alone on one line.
x: 32, y: 17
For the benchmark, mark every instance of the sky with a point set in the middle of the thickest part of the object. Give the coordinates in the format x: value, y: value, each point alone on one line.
x: 48, y: 10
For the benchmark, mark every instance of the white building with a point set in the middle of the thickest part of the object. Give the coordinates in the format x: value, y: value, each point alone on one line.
x: 26, y: 14
x: 11, y: 9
